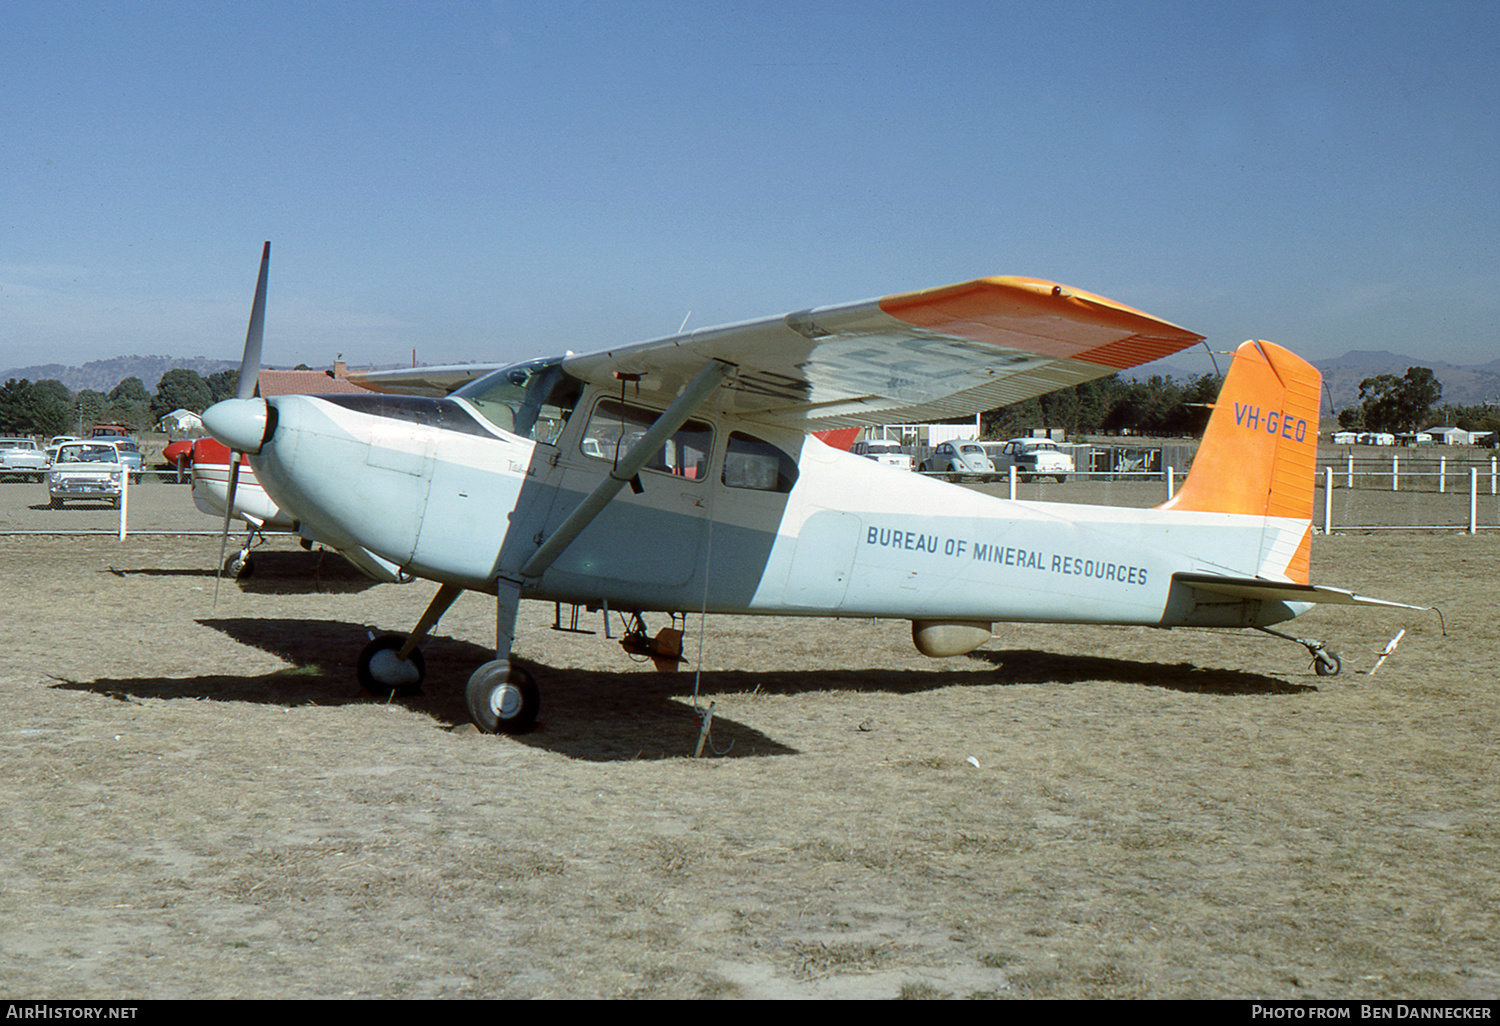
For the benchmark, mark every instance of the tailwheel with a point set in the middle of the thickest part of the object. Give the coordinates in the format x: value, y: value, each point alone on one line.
x: 381, y: 672
x: 1326, y: 663
x: 502, y: 698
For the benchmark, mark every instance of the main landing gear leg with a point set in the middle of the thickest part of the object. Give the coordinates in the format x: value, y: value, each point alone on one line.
x: 241, y: 564
x: 392, y: 663
x: 1325, y: 663
x: 502, y: 697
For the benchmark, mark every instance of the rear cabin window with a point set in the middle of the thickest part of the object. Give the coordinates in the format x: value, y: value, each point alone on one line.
x: 615, y: 428
x: 756, y: 465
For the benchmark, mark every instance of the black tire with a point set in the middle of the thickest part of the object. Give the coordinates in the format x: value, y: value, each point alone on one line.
x: 1326, y: 664
x: 1061, y: 478
x: 238, y: 569
x: 502, y: 698
x: 389, y: 677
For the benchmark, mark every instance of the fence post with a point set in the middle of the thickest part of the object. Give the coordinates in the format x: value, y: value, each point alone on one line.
x: 124, y: 498
x: 1328, y: 499
x: 1012, y: 482
x: 1492, y: 475
x: 1395, y: 473
x: 1473, y: 500
x: 1171, y: 481
x: 1442, y: 474
x: 1349, y: 473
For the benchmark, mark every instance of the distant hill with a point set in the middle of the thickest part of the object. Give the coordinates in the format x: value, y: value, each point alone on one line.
x: 1462, y: 386
x: 104, y: 375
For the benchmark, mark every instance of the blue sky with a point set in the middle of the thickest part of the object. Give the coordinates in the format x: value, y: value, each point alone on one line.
x: 484, y: 181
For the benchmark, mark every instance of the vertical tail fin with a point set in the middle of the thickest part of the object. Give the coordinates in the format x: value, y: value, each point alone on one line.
x: 1259, y: 455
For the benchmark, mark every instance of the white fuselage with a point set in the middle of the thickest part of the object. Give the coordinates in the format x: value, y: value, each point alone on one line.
x: 848, y: 538
x: 251, y: 503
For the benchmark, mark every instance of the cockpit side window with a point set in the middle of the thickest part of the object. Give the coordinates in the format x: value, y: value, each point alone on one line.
x: 615, y: 427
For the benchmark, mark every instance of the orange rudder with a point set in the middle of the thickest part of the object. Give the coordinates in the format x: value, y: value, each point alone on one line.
x: 1259, y: 454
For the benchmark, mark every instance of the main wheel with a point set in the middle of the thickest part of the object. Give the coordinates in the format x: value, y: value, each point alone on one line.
x: 240, y: 565
x: 1326, y: 664
x: 502, y: 698
x: 381, y: 673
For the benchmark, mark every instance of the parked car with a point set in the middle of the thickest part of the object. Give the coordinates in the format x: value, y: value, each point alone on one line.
x: 1032, y: 458
x: 55, y: 441
x: 132, y: 457
x: 85, y: 470
x: 958, y: 460
x: 884, y: 452
x: 21, y: 458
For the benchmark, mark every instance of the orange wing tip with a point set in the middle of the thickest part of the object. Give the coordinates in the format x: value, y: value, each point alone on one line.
x: 1067, y: 320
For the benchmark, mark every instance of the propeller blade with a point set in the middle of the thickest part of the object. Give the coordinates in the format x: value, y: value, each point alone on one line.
x: 245, y: 388
x: 250, y: 363
x: 234, y: 483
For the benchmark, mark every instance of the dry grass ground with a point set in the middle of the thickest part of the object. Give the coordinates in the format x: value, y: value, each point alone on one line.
x: 200, y: 803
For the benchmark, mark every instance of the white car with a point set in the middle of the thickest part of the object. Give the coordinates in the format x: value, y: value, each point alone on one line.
x: 884, y: 452
x: 85, y: 470
x: 1032, y: 458
x: 21, y: 456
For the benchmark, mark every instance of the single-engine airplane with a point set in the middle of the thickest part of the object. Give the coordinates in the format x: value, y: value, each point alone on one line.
x: 683, y: 474
x: 251, y: 505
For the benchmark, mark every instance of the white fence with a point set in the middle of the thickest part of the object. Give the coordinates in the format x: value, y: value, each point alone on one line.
x: 1410, y: 492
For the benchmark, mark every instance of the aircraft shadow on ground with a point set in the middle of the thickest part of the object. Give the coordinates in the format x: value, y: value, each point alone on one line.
x: 606, y: 716
x: 1027, y: 666
x: 276, y: 572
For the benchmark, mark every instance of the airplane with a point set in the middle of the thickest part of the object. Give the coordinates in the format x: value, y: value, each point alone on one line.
x: 683, y: 474
x: 209, y: 459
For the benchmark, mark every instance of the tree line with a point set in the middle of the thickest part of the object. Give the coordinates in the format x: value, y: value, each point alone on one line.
x: 48, y: 407
x: 1165, y: 407
x: 1395, y: 404
x: 1158, y: 405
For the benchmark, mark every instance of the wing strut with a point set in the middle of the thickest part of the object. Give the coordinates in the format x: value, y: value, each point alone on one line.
x: 676, y: 415
x: 508, y: 583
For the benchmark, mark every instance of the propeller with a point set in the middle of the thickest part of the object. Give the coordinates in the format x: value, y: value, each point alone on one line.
x: 245, y: 389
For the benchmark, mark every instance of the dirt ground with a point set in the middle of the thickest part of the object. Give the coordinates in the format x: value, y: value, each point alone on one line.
x: 201, y: 803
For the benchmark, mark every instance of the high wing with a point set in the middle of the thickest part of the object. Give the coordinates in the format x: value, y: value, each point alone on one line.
x: 430, y: 381
x: 915, y: 356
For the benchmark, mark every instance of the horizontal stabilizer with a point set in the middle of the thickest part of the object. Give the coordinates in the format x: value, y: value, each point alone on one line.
x: 1282, y: 591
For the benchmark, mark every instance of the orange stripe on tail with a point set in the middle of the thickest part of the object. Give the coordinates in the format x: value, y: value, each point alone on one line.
x: 1259, y: 454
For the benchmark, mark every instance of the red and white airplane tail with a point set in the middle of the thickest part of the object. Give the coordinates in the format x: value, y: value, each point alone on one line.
x: 1258, y: 457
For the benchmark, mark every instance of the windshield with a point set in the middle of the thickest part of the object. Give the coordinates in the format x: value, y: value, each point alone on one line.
x: 532, y: 400
x: 87, y: 454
